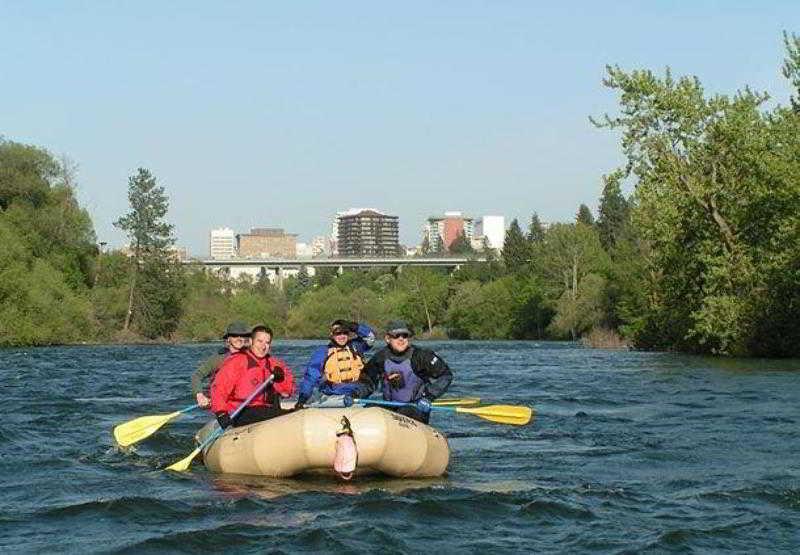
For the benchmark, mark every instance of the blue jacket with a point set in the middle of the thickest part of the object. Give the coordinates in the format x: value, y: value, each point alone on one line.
x: 314, y: 375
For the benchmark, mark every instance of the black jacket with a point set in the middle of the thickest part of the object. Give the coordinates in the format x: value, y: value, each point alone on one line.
x: 430, y: 367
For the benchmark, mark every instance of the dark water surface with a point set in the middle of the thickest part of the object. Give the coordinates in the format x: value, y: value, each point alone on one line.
x: 630, y: 452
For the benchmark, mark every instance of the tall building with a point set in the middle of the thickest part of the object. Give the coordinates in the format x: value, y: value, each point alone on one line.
x: 441, y: 231
x: 321, y: 246
x: 267, y: 242
x: 367, y: 232
x: 492, y: 229
x: 222, y: 244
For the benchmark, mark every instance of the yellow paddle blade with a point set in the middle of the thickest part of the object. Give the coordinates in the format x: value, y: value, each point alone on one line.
x: 502, y: 414
x: 463, y: 402
x: 140, y: 428
x: 183, y: 464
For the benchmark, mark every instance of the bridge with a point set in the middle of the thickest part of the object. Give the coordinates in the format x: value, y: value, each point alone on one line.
x: 275, y: 269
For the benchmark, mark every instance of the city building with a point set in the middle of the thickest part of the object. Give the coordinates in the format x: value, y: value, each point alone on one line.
x: 321, y: 246
x: 222, y: 244
x: 367, y: 232
x: 267, y: 242
x: 491, y: 230
x: 441, y: 231
x: 304, y: 250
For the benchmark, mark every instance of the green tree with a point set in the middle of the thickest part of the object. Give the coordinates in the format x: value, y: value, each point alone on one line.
x: 716, y: 201
x: 584, y: 216
x: 535, y: 230
x: 156, y: 277
x: 516, y: 250
x: 614, y: 212
x: 461, y: 245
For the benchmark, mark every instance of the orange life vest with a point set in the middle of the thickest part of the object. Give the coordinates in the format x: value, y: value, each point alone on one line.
x: 342, y: 365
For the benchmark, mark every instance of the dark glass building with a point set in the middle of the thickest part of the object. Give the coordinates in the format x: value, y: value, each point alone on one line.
x: 368, y: 233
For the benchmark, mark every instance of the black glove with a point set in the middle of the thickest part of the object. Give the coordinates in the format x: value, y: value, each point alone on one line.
x: 277, y: 374
x: 352, y: 326
x: 224, y: 419
x: 396, y: 380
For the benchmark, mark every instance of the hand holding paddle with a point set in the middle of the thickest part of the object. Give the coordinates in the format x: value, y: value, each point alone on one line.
x: 184, y: 463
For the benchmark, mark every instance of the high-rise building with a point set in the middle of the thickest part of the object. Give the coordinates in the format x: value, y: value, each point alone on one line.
x: 222, y: 244
x: 321, y: 246
x: 267, y: 242
x: 492, y: 231
x: 367, y: 232
x: 441, y: 231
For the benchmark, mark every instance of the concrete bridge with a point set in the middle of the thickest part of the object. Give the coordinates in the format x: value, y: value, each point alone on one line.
x: 275, y: 269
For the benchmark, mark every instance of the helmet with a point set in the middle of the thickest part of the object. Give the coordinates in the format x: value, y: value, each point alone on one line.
x: 237, y: 329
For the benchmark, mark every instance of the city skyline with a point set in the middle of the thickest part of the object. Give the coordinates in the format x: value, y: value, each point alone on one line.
x: 272, y: 114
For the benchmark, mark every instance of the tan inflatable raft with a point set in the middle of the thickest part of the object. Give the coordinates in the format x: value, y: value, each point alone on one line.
x: 305, y: 442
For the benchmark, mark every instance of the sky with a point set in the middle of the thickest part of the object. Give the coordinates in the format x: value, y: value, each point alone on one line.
x: 280, y: 114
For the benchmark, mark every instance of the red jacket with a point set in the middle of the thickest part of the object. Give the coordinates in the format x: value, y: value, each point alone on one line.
x: 240, y: 375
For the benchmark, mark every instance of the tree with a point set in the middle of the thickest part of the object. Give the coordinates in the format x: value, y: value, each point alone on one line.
x: 461, y: 245
x: 614, y: 212
x: 535, y: 230
x: 717, y: 199
x: 791, y: 66
x: 155, y: 274
x: 584, y: 216
x: 516, y: 251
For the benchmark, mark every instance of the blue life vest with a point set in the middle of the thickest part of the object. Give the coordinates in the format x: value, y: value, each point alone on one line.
x: 409, y: 386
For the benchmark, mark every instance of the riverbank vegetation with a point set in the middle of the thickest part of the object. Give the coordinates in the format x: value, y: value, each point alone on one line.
x: 703, y: 256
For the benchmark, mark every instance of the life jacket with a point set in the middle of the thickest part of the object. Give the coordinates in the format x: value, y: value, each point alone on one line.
x: 404, y: 388
x: 342, y: 365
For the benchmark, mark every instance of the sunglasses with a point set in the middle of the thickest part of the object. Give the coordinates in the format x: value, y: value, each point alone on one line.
x: 399, y: 335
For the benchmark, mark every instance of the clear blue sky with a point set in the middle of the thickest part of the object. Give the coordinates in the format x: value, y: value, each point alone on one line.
x: 278, y: 114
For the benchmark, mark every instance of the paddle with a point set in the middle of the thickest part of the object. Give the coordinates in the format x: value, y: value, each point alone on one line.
x: 143, y: 427
x: 502, y: 414
x: 184, y: 463
x: 455, y: 402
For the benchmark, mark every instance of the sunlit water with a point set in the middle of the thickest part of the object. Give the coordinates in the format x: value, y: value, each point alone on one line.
x: 629, y: 452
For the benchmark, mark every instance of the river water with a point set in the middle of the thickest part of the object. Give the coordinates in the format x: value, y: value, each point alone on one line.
x: 629, y: 452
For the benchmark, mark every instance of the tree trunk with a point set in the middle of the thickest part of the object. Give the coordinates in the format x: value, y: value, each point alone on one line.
x: 133, y: 288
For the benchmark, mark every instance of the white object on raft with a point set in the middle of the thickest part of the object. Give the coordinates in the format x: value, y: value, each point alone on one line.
x: 305, y: 442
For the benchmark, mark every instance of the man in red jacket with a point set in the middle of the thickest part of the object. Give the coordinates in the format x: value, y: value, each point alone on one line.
x: 242, y: 373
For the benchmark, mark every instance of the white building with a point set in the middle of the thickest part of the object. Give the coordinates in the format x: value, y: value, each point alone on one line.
x: 321, y: 246
x: 492, y: 229
x: 222, y: 244
x: 304, y: 250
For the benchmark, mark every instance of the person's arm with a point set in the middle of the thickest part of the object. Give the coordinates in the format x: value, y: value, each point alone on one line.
x: 435, y: 372
x: 312, y: 376
x: 365, y: 337
x: 223, y: 385
x: 205, y: 370
x: 371, y: 376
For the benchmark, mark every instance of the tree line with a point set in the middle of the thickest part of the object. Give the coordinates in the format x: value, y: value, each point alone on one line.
x: 703, y: 256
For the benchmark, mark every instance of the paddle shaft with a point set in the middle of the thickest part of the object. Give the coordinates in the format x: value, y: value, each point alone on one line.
x: 397, y: 404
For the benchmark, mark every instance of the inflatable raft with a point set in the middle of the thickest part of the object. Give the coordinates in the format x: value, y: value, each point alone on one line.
x: 306, y: 442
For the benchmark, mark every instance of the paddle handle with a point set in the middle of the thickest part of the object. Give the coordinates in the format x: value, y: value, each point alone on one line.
x: 189, y: 408
x: 396, y: 404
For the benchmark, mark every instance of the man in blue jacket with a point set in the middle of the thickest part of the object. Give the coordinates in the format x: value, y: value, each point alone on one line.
x: 336, y: 367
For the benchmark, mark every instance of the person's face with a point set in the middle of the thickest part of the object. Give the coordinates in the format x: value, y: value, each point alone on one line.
x: 238, y: 342
x: 340, y: 338
x: 399, y: 342
x: 261, y: 344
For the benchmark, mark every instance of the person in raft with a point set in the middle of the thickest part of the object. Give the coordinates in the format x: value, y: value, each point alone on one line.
x: 241, y: 373
x: 336, y: 367
x: 406, y: 373
x: 237, y: 338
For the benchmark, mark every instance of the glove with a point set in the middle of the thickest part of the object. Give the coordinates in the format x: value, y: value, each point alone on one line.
x: 348, y: 400
x: 352, y: 326
x: 396, y: 380
x: 224, y: 419
x: 277, y: 374
x: 424, y: 406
